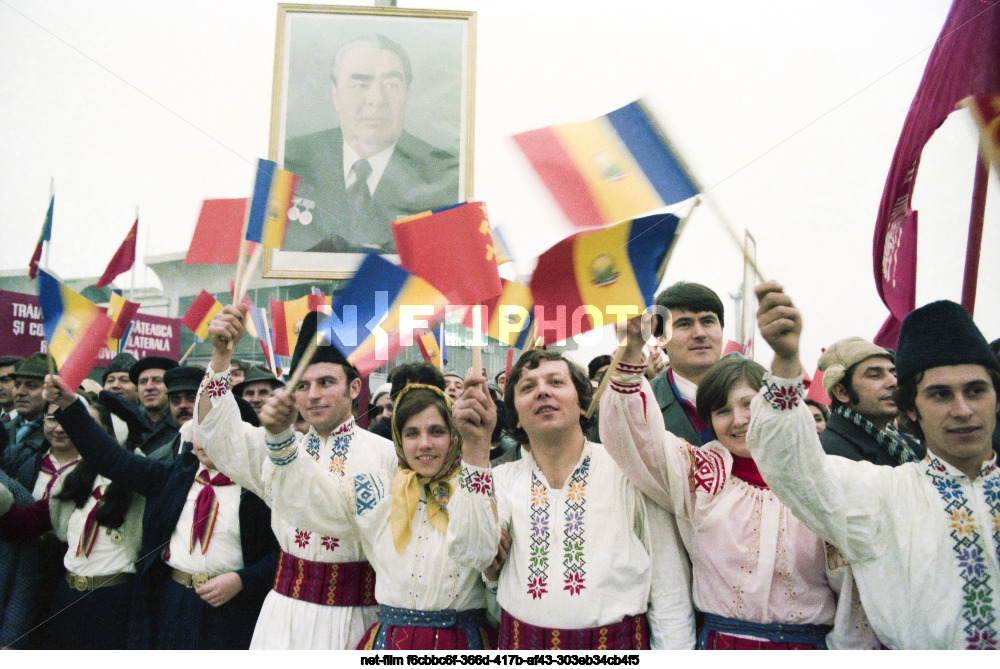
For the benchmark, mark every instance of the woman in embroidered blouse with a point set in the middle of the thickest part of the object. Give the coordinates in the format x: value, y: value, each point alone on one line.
x: 429, y: 599
x: 761, y: 578
x: 102, y: 524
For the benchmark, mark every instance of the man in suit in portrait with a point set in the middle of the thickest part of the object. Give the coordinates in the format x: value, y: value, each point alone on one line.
x: 357, y: 178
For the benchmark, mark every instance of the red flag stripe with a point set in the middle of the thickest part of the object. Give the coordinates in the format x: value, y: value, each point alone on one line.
x: 553, y: 164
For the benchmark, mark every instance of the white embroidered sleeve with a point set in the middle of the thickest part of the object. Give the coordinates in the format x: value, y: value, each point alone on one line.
x: 236, y: 448
x: 473, y: 531
x: 633, y: 433
x: 838, y: 499
x: 671, y: 612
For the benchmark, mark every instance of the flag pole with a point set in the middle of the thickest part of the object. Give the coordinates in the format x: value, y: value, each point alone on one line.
x: 132, y: 289
x: 974, y: 244
x: 307, y: 357
x: 680, y: 228
x: 615, y: 359
x: 701, y: 190
x: 47, y: 243
x: 243, y: 283
x: 188, y: 352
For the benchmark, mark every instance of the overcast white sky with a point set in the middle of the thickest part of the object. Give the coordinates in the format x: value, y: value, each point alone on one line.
x: 787, y: 111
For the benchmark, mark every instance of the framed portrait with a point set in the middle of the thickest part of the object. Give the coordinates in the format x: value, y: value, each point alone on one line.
x: 373, y: 108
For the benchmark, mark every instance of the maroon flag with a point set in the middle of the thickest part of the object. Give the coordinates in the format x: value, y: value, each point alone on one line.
x: 965, y: 61
x: 123, y: 259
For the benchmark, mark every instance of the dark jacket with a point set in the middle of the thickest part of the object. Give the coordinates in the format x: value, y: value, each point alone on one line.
x: 844, y: 438
x: 674, y: 418
x: 23, y: 459
x: 166, y: 487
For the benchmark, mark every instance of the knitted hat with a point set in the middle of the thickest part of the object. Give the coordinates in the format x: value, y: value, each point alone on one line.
x: 120, y: 363
x: 938, y: 334
x: 324, y: 353
x: 183, y: 379
x: 843, y: 355
x: 37, y: 366
x: 256, y: 374
x: 150, y: 362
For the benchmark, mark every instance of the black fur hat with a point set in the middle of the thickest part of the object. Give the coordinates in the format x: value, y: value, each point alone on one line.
x: 938, y: 334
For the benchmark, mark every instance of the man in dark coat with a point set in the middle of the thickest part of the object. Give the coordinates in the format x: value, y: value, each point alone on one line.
x: 173, y: 608
x: 860, y: 378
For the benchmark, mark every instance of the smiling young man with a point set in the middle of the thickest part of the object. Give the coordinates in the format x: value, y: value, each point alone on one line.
x: 696, y: 320
x: 590, y: 565
x: 920, y: 537
x: 323, y: 595
x: 860, y: 379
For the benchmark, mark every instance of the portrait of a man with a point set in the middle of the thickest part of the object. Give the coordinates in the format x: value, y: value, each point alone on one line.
x: 369, y: 169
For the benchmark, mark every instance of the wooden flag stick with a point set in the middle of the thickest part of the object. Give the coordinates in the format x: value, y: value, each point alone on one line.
x: 615, y: 359
x: 736, y: 240
x: 244, y: 284
x: 240, y: 264
x: 477, y: 358
x: 680, y: 228
x: 52, y: 363
x: 307, y: 357
x: 188, y: 352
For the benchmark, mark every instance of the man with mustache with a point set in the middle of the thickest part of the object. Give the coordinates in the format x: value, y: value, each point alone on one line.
x: 182, y: 387
x: 860, y: 378
x: 359, y: 177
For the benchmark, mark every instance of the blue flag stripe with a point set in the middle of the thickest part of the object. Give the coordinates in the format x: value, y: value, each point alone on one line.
x: 650, y: 240
x: 654, y: 157
x: 50, y: 300
x: 258, y: 205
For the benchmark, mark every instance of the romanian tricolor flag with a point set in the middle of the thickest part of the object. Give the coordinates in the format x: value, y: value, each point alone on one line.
x: 379, y: 312
x: 594, y: 278
x: 986, y: 112
x: 452, y: 249
x: 609, y: 169
x: 200, y: 314
x: 287, y: 317
x: 430, y: 347
x: 273, y: 191
x: 43, y: 238
x: 506, y: 318
x: 75, y: 328
x: 120, y: 312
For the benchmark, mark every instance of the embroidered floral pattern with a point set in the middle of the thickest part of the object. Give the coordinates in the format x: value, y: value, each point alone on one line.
x: 782, y: 398
x: 216, y: 388
x: 338, y: 451
x: 538, y: 553
x: 330, y: 543
x: 576, y: 500
x: 302, y: 538
x: 480, y: 483
x: 312, y: 446
x: 977, y: 602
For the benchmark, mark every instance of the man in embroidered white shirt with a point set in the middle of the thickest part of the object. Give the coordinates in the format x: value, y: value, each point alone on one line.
x: 323, y: 595
x: 591, y: 564
x: 921, y: 537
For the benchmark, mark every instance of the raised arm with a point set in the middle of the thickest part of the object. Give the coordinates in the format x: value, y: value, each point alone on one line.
x: 473, y: 536
x: 238, y: 449
x: 838, y: 499
x: 99, y: 449
x: 632, y: 428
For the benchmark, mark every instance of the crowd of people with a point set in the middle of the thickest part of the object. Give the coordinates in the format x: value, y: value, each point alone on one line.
x: 707, y: 504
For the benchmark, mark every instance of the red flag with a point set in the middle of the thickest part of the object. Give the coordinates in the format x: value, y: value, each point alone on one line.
x: 218, y: 233
x: 965, y: 61
x: 123, y: 258
x: 817, y: 392
x: 452, y: 249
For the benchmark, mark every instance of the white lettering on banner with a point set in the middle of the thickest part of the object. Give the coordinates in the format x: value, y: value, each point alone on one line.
x: 149, y: 343
x: 26, y: 310
x: 152, y: 329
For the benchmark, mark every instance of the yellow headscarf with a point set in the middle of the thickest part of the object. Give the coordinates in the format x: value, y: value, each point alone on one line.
x: 407, y: 484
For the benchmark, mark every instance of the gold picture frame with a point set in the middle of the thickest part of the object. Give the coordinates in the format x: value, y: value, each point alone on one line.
x: 433, y: 122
